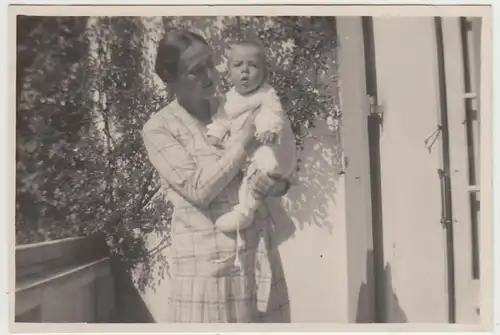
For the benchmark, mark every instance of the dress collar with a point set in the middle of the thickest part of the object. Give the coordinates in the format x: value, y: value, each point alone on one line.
x: 191, y: 122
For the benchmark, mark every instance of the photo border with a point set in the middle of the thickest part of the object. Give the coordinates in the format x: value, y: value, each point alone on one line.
x: 278, y: 10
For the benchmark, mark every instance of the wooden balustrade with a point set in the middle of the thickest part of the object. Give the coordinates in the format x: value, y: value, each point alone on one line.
x: 67, y: 280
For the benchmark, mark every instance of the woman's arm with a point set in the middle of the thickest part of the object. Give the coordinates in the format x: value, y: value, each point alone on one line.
x: 197, y: 184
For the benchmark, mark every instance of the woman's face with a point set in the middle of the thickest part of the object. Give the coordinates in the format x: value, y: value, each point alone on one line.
x: 197, y: 78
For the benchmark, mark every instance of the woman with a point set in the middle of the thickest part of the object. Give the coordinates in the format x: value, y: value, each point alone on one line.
x: 202, y: 183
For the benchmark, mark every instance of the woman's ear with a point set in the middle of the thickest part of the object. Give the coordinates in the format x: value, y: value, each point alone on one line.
x: 171, y: 89
x: 170, y: 94
x: 217, y: 102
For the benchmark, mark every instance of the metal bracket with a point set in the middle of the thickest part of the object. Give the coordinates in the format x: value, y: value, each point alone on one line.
x: 345, y: 162
x: 374, y: 108
x: 470, y: 95
x: 445, y: 216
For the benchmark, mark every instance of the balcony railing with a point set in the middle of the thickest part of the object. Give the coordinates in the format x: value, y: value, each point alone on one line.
x: 67, y: 280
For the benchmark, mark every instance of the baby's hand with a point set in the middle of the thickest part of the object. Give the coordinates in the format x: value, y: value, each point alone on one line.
x: 267, y: 137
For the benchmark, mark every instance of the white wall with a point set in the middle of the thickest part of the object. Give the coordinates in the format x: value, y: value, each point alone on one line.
x: 315, y: 259
x: 414, y: 240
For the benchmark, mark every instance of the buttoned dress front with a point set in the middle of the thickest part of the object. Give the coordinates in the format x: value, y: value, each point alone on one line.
x: 202, y: 183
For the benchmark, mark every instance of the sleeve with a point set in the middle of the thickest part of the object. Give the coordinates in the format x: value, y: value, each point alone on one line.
x: 219, y: 126
x: 198, y: 185
x: 271, y: 116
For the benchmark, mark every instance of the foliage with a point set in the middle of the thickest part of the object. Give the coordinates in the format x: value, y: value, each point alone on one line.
x: 85, y: 88
x: 70, y: 180
x: 51, y: 121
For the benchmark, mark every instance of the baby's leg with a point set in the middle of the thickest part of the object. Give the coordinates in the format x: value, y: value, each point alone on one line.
x: 242, y: 215
x: 263, y: 161
x: 248, y: 204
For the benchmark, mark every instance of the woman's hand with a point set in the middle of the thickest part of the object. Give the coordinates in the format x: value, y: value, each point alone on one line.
x: 247, y: 135
x: 263, y: 185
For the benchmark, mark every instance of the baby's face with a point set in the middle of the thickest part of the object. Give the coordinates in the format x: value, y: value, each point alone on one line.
x: 246, y: 68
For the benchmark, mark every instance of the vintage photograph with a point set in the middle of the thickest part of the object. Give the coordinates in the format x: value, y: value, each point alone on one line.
x: 249, y: 169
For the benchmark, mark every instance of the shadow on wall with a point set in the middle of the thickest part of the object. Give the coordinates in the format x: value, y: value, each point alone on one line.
x: 129, y: 305
x: 366, y: 297
x: 390, y: 310
x: 136, y: 279
x: 394, y: 312
x: 310, y: 201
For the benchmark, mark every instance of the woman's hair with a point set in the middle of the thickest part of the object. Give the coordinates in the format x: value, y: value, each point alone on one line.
x: 170, y: 49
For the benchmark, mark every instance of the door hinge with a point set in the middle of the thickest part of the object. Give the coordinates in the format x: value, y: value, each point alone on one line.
x: 345, y: 162
x: 374, y: 109
x: 446, y: 219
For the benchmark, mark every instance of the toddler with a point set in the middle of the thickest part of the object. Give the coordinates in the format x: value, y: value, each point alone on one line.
x: 277, y: 154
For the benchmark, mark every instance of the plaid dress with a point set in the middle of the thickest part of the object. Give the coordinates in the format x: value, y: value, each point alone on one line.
x: 202, y: 182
